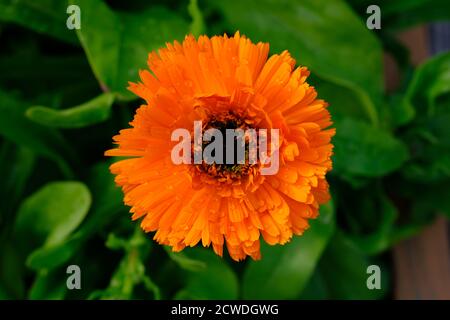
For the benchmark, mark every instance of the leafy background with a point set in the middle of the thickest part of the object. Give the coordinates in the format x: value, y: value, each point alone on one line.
x: 63, y: 96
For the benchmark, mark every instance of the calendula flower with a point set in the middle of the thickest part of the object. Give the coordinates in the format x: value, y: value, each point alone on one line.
x: 224, y: 83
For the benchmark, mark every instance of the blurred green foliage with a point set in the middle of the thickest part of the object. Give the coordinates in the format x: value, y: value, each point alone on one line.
x: 63, y: 96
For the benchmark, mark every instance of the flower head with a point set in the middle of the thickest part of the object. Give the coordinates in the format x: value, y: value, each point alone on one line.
x: 224, y: 83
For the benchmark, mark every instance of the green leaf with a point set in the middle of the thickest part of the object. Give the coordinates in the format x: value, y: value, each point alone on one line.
x: 343, y: 268
x: 53, y: 212
x: 431, y: 165
x: 11, y: 272
x: 184, y: 261
x: 198, y: 24
x: 333, y: 43
x: 48, y: 257
x: 114, y: 242
x: 381, y: 239
x: 400, y: 112
x: 16, y: 165
x: 401, y: 14
x: 131, y: 270
x: 343, y: 102
x: 48, y: 286
x: 432, y: 199
x: 363, y: 150
x: 16, y: 127
x: 430, y: 81
x: 46, y: 16
x: 215, y: 281
x: 117, y: 44
x: 316, y: 289
x: 429, y: 135
x: 283, y: 271
x: 108, y: 200
x: 107, y: 203
x: 377, y: 226
x: 88, y: 113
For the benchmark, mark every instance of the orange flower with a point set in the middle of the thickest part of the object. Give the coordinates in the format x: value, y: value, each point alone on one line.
x: 225, y: 83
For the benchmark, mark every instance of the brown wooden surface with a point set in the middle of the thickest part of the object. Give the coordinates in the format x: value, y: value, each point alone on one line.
x: 422, y: 263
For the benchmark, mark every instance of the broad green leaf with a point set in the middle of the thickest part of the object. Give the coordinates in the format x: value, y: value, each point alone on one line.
x: 215, y: 281
x: 107, y: 203
x: 16, y: 127
x: 363, y: 150
x: 48, y: 257
x: 117, y: 44
x: 283, y: 271
x: 88, y: 113
x: 44, y: 16
x: 52, y: 213
x: 343, y: 102
x: 343, y: 268
x: 325, y: 36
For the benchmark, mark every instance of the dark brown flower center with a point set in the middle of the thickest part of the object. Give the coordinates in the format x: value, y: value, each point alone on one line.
x: 227, y: 170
